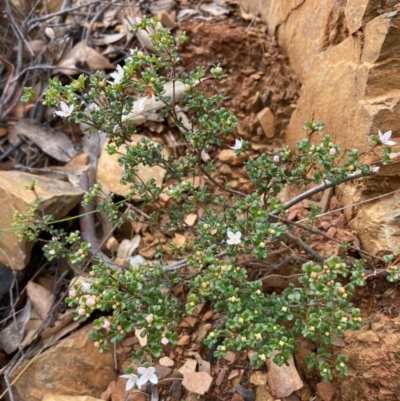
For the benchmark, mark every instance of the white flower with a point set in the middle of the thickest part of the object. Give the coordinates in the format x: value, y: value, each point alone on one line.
x: 118, y: 75
x: 147, y: 374
x: 238, y: 144
x: 65, y: 110
x: 234, y: 239
x: 132, y: 380
x: 384, y: 138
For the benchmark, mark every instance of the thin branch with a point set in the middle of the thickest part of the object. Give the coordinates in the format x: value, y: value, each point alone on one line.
x: 322, y: 187
x: 303, y: 245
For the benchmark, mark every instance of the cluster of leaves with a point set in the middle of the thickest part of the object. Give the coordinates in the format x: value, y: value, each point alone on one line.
x: 232, y: 223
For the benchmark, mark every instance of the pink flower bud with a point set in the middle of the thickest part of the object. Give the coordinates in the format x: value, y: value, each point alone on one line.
x: 149, y: 318
x: 164, y: 341
x: 276, y: 159
x: 72, y: 292
x: 80, y: 251
x: 393, y: 155
x: 96, y: 344
x: 332, y: 151
x: 81, y: 312
x: 52, y: 252
x: 86, y: 287
x: 106, y: 324
x: 90, y: 302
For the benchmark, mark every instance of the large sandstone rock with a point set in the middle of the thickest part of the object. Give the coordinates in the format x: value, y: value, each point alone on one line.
x: 74, y: 367
x: 354, y: 88
x: 110, y: 172
x: 304, y: 28
x: 59, y: 198
x: 346, y: 52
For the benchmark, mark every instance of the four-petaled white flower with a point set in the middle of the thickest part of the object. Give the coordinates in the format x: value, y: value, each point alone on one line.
x: 384, y: 138
x: 117, y: 75
x: 65, y: 110
x: 238, y: 144
x: 147, y: 374
x: 132, y: 380
x: 234, y: 238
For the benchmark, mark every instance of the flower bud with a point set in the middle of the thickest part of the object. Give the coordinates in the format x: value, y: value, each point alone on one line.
x: 332, y: 151
x: 72, y: 292
x: 90, y: 302
x: 276, y: 159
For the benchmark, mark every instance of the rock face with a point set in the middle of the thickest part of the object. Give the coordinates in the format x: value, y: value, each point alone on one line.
x: 59, y: 198
x: 73, y: 367
x: 346, y: 52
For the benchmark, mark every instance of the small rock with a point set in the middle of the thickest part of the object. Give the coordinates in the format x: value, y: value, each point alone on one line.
x: 368, y: 337
x: 166, y: 361
x: 208, y: 315
x: 377, y: 326
x: 246, y: 393
x: 197, y: 382
x: 263, y: 394
x: 190, y: 219
x: 136, y: 260
x: 267, y: 121
x: 258, y: 378
x: 110, y: 172
x: 189, y: 366
x: 229, y: 156
x: 325, y: 391
x: 225, y: 169
x: 283, y: 380
x: 184, y: 340
x: 230, y: 357
x: 237, y: 397
x: 201, y: 332
x: 256, y: 102
x: 163, y: 371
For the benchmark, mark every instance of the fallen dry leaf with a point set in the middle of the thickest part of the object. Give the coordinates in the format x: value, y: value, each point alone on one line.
x: 41, y: 298
x: 166, y: 361
x: 197, y: 382
x: 214, y: 9
x: 54, y: 143
x: 11, y: 336
x: 83, y: 56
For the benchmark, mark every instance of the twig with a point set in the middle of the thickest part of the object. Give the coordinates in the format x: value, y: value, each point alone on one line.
x: 16, y: 29
x: 352, y: 205
x: 319, y: 232
x: 322, y: 187
x: 303, y: 245
x: 5, y: 154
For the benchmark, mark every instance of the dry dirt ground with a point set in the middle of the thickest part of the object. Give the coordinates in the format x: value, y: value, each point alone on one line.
x: 259, y: 76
